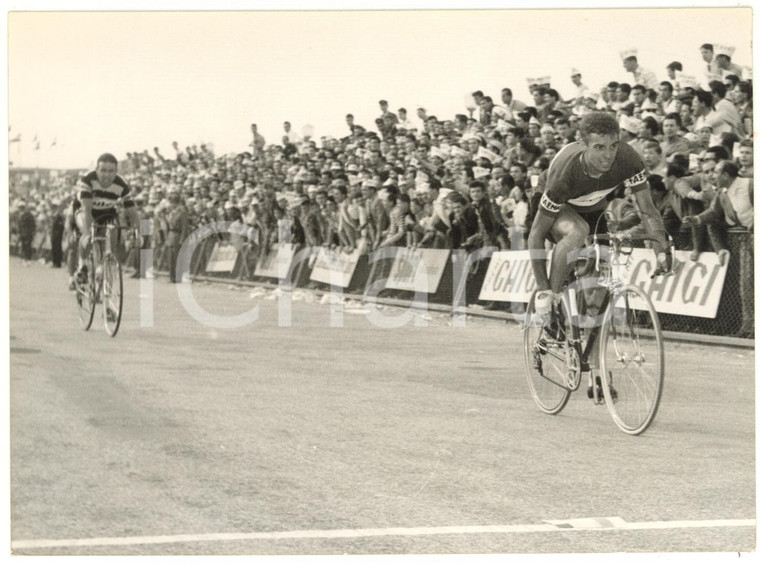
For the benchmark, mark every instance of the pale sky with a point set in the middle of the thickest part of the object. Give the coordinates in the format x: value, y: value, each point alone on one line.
x: 125, y: 81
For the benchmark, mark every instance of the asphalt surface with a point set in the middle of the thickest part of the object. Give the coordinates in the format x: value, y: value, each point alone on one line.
x: 185, y: 429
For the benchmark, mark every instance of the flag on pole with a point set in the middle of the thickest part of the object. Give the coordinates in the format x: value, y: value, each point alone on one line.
x: 37, y: 146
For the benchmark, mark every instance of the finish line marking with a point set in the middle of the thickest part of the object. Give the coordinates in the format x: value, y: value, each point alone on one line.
x: 599, y: 524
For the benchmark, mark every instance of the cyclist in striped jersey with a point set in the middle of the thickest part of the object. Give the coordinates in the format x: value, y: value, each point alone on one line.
x: 99, y: 191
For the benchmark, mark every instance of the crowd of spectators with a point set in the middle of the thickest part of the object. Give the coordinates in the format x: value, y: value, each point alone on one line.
x: 463, y: 181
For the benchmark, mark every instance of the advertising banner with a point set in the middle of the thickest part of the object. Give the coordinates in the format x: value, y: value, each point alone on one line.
x: 423, y: 266
x: 269, y: 265
x: 694, y: 289
x: 223, y: 258
x: 329, y: 262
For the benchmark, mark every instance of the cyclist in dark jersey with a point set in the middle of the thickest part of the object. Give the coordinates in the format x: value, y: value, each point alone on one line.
x: 99, y: 190
x: 581, y: 179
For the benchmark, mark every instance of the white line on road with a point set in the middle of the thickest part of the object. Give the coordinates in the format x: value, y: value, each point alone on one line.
x: 603, y: 524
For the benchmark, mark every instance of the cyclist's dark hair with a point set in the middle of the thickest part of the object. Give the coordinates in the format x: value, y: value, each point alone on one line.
x: 477, y: 184
x: 707, y: 46
x: 108, y: 158
x: 599, y: 122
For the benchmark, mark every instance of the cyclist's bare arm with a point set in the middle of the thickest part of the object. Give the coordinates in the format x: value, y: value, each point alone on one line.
x: 86, y: 215
x: 652, y: 221
x: 539, y: 232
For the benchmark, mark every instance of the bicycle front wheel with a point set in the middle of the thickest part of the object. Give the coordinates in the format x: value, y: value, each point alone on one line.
x: 112, y: 291
x: 546, y: 362
x: 85, y: 295
x: 632, y: 360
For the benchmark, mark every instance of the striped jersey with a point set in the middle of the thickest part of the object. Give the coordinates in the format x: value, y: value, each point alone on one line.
x: 568, y: 183
x: 104, y: 199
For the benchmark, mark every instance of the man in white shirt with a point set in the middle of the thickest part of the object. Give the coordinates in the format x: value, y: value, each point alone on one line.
x: 641, y: 75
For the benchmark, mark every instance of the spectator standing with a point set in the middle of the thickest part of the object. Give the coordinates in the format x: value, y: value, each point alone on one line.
x: 26, y: 229
x: 708, y: 56
x: 723, y: 54
x: 57, y: 225
x: 177, y: 231
x: 510, y: 105
x: 641, y: 75
x: 258, y: 142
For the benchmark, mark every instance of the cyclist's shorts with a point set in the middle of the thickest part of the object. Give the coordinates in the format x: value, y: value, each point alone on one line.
x: 597, y: 222
x: 104, y: 217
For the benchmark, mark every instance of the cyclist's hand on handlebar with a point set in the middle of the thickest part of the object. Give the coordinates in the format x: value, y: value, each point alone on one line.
x: 85, y: 241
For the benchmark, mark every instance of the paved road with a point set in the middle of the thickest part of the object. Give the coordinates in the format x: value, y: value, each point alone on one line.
x: 358, y: 439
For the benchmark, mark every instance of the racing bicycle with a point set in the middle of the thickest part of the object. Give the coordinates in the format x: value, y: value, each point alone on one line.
x: 104, y: 281
x: 605, y: 328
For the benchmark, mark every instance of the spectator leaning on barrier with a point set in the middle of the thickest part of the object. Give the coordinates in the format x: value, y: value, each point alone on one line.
x: 733, y: 205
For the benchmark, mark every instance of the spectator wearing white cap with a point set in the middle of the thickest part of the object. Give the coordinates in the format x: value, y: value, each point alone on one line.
x: 646, y: 78
x: 629, y: 132
x: 580, y: 88
x: 723, y: 54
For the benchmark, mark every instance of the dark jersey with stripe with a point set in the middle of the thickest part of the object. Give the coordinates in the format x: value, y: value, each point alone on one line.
x: 568, y: 183
x: 104, y: 199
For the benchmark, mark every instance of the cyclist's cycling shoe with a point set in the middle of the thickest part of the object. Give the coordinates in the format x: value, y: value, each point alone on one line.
x: 600, y: 391
x: 110, y: 316
x: 82, y: 275
x: 553, y: 329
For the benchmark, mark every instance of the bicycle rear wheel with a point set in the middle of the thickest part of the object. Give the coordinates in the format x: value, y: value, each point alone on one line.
x: 632, y: 359
x: 85, y: 295
x: 112, y: 292
x: 546, y: 361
